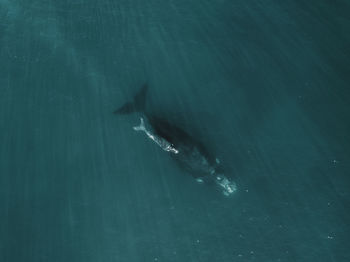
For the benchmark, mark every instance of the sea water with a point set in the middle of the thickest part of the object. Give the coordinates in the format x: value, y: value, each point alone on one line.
x: 263, y: 84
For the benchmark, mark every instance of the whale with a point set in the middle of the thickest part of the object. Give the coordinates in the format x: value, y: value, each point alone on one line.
x: 190, y: 154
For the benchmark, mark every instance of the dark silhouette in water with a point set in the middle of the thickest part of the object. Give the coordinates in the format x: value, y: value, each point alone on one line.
x: 188, y: 152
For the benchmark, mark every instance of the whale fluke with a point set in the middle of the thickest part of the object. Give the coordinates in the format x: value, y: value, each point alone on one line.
x: 136, y: 105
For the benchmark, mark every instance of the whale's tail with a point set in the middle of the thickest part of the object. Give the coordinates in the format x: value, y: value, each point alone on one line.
x: 141, y: 127
x: 136, y: 105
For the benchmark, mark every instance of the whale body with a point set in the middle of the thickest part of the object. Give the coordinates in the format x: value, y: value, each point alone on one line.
x: 188, y: 152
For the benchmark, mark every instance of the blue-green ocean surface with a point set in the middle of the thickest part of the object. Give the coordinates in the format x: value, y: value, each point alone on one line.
x: 264, y: 84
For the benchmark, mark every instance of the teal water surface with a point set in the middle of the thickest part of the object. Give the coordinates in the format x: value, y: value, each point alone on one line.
x: 264, y: 84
